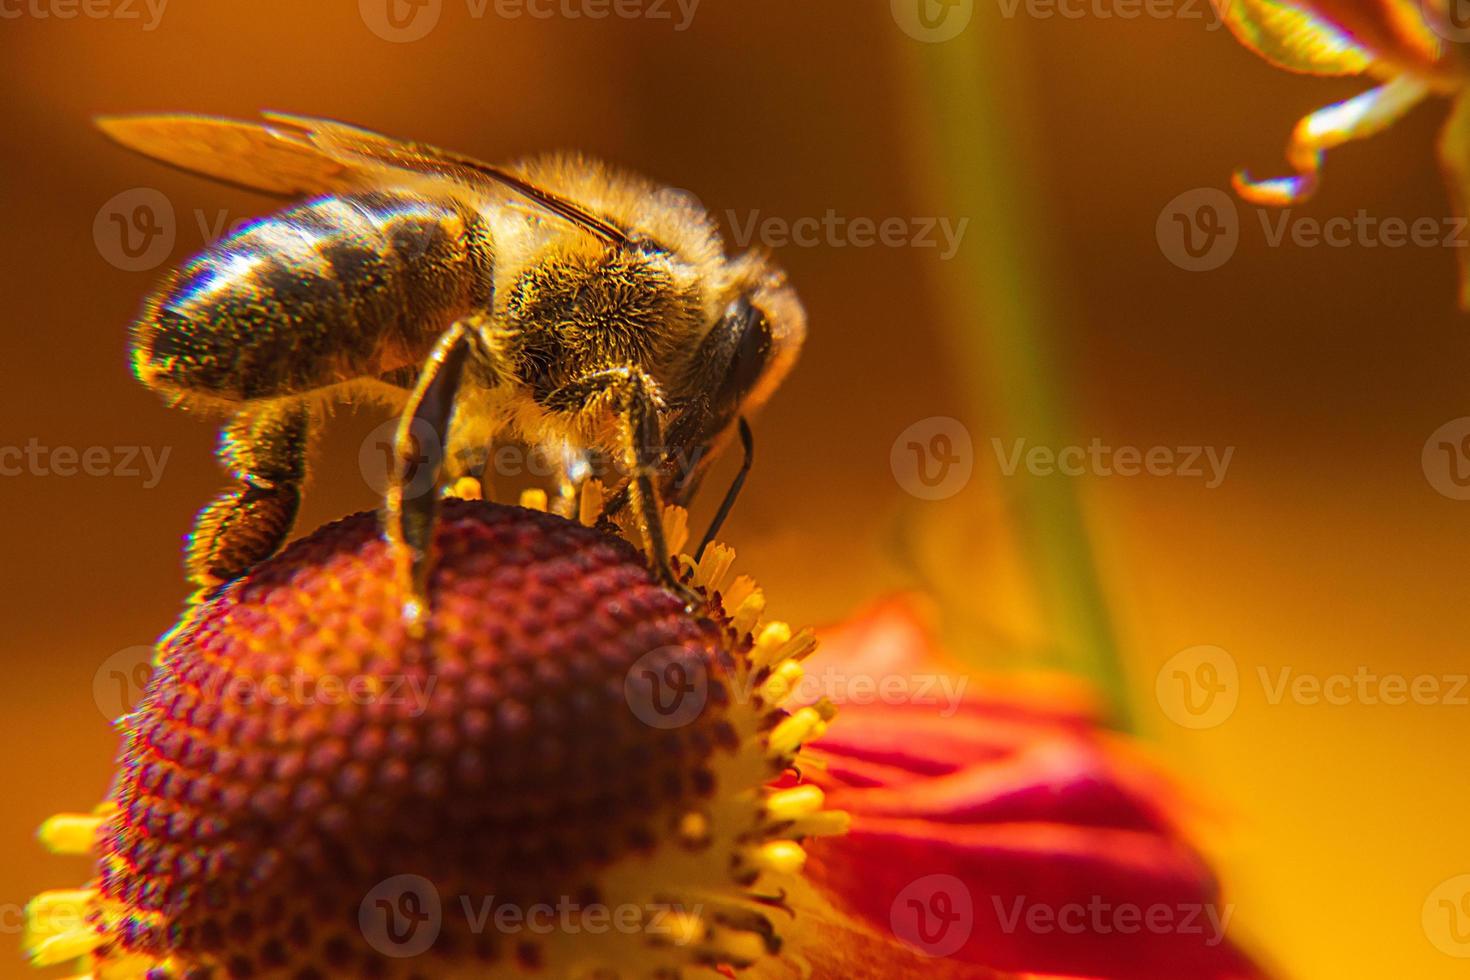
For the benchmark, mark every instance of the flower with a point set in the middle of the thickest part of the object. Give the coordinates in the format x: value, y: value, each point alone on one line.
x: 1412, y: 47
x: 1004, y: 828
x: 569, y: 775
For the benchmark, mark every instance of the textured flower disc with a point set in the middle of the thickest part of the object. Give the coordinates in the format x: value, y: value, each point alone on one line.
x: 297, y: 748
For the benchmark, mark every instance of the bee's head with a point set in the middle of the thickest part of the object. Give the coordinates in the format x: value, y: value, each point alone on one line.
x: 742, y: 359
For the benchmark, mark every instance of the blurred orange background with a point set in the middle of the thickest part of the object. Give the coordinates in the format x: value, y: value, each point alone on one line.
x: 1324, y: 549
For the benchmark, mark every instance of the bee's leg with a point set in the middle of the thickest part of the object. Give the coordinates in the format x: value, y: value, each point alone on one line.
x: 635, y: 397
x: 412, y: 503
x: 265, y: 449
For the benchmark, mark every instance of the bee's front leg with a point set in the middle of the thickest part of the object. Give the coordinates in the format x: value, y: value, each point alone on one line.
x: 264, y: 447
x: 412, y: 504
x: 636, y: 399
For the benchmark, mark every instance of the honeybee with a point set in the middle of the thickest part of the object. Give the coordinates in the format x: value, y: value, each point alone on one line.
x: 556, y: 300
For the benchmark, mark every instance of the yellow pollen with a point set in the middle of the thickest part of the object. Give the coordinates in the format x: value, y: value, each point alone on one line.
x: 781, y: 856
x: 795, y: 803
x: 780, y: 685
x: 802, y: 726
x: 70, y: 833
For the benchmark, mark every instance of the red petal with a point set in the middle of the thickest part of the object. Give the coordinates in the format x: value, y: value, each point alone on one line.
x: 1054, y: 781
x: 1036, y: 897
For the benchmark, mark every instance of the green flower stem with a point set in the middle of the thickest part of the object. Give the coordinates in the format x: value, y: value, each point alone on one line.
x: 1003, y: 294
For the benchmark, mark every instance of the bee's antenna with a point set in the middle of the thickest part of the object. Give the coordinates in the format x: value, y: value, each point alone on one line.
x: 748, y: 441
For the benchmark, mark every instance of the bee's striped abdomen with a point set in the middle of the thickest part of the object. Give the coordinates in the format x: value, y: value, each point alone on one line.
x: 333, y: 290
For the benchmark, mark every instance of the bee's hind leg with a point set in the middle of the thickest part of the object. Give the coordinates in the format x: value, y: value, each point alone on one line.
x: 264, y: 447
x: 635, y: 397
x: 412, y: 505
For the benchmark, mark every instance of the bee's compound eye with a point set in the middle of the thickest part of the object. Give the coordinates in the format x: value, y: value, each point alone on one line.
x: 752, y: 350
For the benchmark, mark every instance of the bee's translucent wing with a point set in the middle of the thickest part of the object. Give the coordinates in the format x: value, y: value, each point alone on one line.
x: 297, y: 155
x: 342, y: 141
x: 246, y: 154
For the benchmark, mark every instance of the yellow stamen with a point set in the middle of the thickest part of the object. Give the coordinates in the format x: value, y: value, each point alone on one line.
x: 715, y: 565
x: 466, y: 488
x: 795, y: 803
x: 781, y: 856
x: 534, y: 499
x: 781, y: 684
x: 593, y: 500
x: 676, y: 528
x: 802, y: 726
x: 70, y: 833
